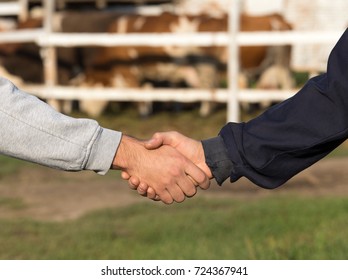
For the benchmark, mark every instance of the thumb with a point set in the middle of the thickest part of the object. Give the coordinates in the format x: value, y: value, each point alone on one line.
x: 155, y: 142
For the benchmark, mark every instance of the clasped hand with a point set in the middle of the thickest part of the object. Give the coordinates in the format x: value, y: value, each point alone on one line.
x: 168, y: 167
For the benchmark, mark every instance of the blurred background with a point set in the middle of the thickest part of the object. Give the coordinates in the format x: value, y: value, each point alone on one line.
x: 141, y: 66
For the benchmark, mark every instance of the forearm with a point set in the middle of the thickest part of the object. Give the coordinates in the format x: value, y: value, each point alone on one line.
x: 31, y: 130
x: 296, y: 133
x: 128, y: 153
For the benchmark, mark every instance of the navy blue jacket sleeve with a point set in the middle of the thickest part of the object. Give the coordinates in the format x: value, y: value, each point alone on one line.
x: 296, y: 133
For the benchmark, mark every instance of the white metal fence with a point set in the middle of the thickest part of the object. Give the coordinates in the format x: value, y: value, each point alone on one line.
x: 49, y: 40
x: 18, y: 8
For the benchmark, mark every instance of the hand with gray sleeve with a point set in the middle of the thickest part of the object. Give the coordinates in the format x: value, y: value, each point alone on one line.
x: 31, y: 130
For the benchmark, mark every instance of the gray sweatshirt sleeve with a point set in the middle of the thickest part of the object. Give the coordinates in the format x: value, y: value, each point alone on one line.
x: 31, y: 130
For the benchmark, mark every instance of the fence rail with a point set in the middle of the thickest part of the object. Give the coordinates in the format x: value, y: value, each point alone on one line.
x: 203, y: 39
x: 10, y: 8
x: 16, y: 8
x: 129, y: 94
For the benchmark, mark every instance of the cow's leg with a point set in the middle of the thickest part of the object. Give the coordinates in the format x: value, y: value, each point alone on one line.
x: 67, y: 106
x: 145, y: 108
x: 203, y: 75
x: 243, y: 83
x: 207, y: 73
x: 63, y: 106
x: 275, y: 77
x: 55, y: 104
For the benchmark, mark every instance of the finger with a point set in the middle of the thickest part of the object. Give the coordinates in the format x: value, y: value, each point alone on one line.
x: 142, y: 189
x: 151, y: 193
x: 176, y: 193
x: 131, y: 186
x: 196, y: 183
x: 197, y: 175
x: 163, y: 138
x: 192, y: 180
x: 187, y: 186
x: 154, y: 143
x: 134, y: 181
x: 166, y: 197
x: 125, y: 175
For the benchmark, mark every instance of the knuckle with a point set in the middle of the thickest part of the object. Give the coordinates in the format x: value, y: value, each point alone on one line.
x: 168, y: 180
x: 174, y: 173
x: 157, y: 135
x: 174, y: 133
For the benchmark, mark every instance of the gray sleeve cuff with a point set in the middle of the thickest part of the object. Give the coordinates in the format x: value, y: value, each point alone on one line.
x: 103, y: 151
x: 216, y: 157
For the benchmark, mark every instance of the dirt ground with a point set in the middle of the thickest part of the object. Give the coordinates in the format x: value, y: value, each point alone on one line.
x: 51, y: 195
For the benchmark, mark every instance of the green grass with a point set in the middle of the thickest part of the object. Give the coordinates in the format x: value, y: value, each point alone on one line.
x: 341, y: 151
x: 11, y: 203
x: 9, y: 166
x: 272, y: 228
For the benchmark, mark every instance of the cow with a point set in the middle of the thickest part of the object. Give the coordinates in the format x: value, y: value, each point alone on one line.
x: 196, y: 66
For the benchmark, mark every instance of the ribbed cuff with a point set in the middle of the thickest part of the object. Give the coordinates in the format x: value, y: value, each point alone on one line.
x: 216, y: 157
x: 103, y: 151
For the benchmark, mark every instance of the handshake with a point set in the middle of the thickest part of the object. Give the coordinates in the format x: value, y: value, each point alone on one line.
x: 169, y: 167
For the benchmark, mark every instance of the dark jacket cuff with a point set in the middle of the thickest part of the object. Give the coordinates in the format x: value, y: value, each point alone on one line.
x: 216, y: 157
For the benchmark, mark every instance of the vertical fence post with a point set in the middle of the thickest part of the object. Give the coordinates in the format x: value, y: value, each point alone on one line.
x: 233, y: 114
x: 24, y: 8
x: 49, y: 53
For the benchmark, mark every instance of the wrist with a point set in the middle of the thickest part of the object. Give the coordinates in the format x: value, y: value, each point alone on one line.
x: 126, y: 153
x: 205, y: 168
x: 217, y: 158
